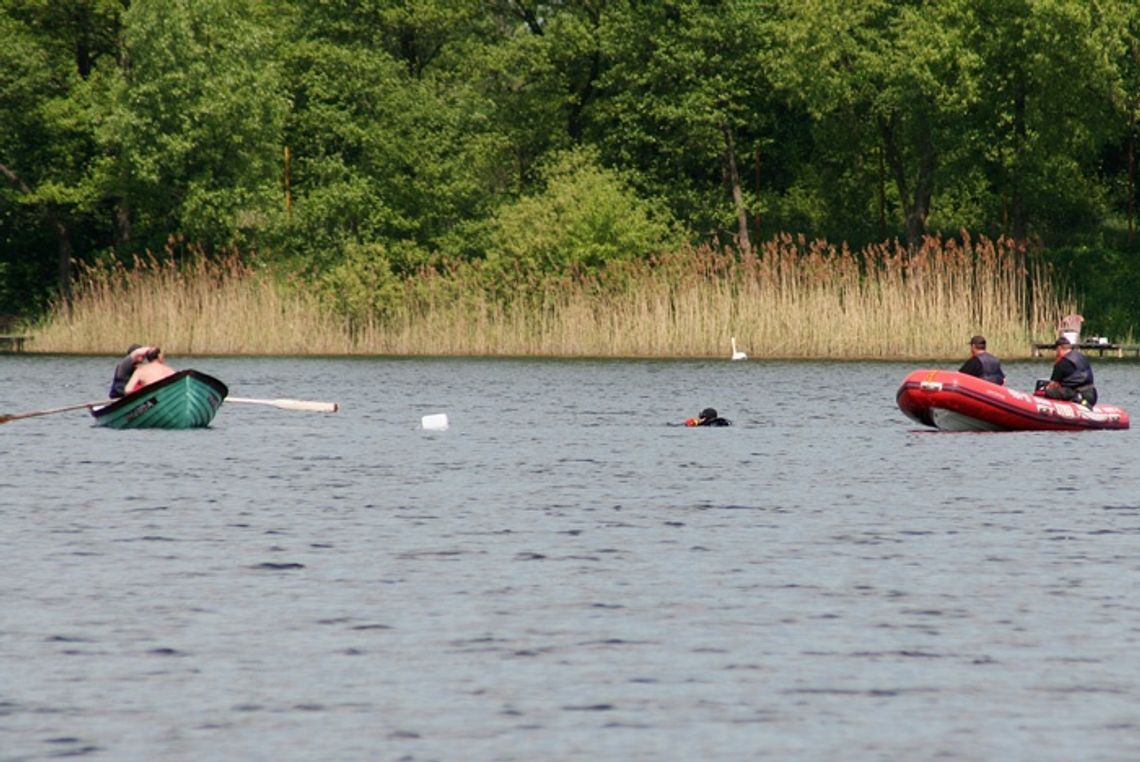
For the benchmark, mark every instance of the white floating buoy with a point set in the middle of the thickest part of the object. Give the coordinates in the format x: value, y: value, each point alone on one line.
x: 736, y: 354
x: 435, y: 422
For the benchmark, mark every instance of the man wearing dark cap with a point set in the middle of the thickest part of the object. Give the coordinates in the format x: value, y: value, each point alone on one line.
x: 1072, y: 378
x: 126, y: 366
x: 982, y: 364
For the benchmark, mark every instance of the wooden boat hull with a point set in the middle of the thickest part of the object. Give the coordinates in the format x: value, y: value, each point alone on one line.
x: 954, y: 401
x: 186, y: 400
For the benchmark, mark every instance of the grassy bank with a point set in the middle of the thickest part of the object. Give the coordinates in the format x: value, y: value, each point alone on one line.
x: 791, y: 299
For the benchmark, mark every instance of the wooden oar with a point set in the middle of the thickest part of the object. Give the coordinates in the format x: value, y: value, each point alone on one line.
x: 4, y: 418
x: 306, y: 405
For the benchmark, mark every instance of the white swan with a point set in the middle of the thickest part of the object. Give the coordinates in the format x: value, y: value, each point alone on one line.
x: 736, y: 354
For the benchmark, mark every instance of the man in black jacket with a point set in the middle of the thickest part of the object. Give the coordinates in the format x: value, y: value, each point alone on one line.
x: 1072, y: 377
x: 982, y: 364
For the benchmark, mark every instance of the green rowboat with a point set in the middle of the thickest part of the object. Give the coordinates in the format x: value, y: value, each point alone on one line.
x: 186, y: 400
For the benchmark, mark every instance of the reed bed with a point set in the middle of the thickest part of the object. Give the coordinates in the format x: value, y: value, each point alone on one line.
x: 197, y: 307
x: 790, y: 299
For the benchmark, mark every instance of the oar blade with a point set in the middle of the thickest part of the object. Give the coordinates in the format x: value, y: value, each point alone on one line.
x: 309, y: 406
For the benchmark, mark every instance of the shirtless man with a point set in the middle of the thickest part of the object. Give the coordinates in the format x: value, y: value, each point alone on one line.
x: 153, y: 368
x: 125, y: 367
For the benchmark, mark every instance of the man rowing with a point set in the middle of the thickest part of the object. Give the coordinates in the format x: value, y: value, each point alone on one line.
x: 136, y: 353
x: 153, y: 368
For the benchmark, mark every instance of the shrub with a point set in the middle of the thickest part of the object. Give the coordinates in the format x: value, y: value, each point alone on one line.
x: 585, y: 216
x: 362, y: 286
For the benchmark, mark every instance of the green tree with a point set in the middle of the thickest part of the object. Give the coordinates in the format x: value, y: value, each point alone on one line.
x: 1124, y: 18
x: 688, y: 103
x: 191, y: 137
x: 393, y: 140
x: 46, y: 214
x: 1046, y: 109
x: 898, y: 74
x: 583, y: 217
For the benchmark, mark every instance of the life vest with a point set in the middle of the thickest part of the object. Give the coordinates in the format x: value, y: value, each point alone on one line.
x: 1081, y: 375
x: 991, y: 368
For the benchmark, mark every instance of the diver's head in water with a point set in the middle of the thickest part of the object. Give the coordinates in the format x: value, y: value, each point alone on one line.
x: 708, y: 417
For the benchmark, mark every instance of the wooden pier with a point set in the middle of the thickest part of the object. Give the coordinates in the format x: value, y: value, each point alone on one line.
x: 12, y: 342
x: 1114, y: 350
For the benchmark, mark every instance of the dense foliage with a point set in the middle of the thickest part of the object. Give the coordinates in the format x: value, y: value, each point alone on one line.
x: 358, y: 141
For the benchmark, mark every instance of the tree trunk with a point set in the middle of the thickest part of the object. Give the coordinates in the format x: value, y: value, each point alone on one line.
x: 733, y: 177
x: 64, y: 255
x: 581, y: 89
x: 1017, y: 202
x: 287, y: 179
x: 122, y: 223
x: 756, y: 216
x: 82, y: 57
x: 923, y: 191
x: 882, y: 196
x: 1131, y: 180
x: 916, y: 204
x: 580, y: 96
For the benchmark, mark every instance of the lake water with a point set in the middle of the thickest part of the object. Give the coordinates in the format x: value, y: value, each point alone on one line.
x: 566, y: 573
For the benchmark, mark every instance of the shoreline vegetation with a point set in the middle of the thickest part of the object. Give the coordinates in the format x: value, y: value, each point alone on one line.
x: 789, y: 299
x: 517, y: 148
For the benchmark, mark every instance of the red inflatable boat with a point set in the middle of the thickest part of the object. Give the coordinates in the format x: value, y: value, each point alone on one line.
x: 953, y: 401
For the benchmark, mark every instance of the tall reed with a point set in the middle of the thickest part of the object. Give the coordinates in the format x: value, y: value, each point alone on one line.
x: 792, y: 298
x: 199, y: 306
